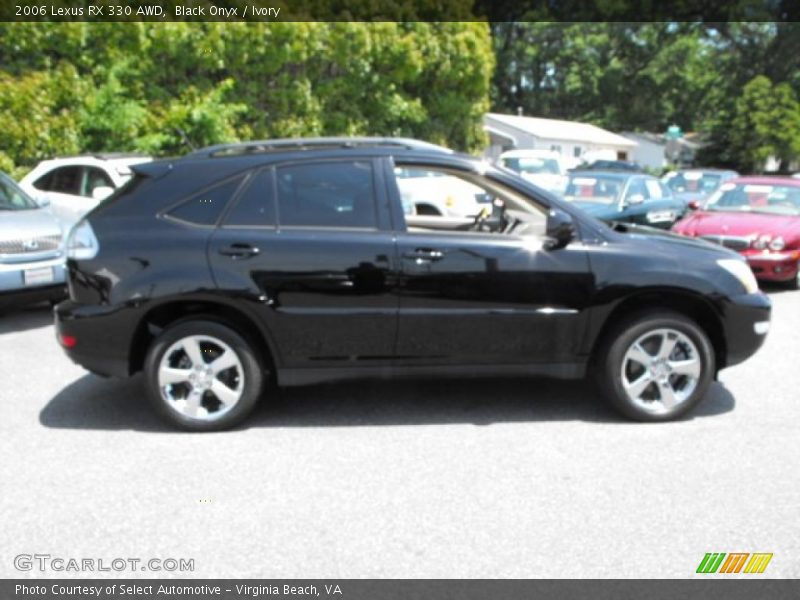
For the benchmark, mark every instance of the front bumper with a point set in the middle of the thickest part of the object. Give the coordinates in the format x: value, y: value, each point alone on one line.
x: 773, y: 266
x: 746, y: 323
x: 15, y: 290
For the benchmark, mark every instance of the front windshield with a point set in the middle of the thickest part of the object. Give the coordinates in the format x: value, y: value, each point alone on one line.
x: 532, y: 165
x: 12, y: 197
x: 694, y: 181
x: 760, y: 198
x: 600, y: 189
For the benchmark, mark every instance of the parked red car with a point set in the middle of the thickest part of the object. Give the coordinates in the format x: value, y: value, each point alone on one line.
x: 759, y: 217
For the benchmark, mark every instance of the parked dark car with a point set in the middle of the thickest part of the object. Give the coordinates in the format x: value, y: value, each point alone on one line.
x: 292, y: 261
x: 627, y: 197
x: 694, y: 186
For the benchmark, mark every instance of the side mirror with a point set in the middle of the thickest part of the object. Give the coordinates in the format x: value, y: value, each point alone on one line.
x: 43, y: 201
x: 693, y: 205
x: 102, y: 192
x: 560, y: 229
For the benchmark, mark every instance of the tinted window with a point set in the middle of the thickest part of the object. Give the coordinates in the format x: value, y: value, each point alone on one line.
x: 694, y: 181
x: 96, y: 178
x: 64, y: 180
x: 206, y: 207
x: 594, y: 187
x: 331, y: 194
x: 256, y: 205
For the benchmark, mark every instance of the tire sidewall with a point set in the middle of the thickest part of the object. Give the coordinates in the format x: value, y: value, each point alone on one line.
x: 620, y: 342
x: 251, y: 367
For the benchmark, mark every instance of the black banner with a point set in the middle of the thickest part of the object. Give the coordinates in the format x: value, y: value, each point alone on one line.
x: 398, y: 10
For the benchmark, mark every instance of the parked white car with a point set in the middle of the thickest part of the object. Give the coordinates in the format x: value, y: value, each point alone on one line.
x: 432, y: 193
x: 75, y: 185
x: 545, y: 168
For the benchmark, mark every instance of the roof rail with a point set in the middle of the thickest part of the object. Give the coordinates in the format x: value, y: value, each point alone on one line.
x: 102, y: 155
x: 264, y: 146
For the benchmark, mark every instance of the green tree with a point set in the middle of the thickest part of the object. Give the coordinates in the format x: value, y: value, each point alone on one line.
x: 38, y: 116
x: 766, y: 123
x: 161, y: 87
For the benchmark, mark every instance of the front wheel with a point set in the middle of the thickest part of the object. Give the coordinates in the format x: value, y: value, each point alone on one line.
x: 203, y: 376
x: 655, y: 366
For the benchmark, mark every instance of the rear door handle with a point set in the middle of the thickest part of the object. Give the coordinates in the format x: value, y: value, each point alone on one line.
x: 421, y: 255
x: 239, y: 251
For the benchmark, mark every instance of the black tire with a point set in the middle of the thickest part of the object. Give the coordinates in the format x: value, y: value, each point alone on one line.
x: 252, y: 368
x: 608, y: 365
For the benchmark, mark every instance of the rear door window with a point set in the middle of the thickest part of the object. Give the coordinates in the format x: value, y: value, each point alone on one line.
x: 63, y: 180
x: 256, y: 204
x: 327, y: 194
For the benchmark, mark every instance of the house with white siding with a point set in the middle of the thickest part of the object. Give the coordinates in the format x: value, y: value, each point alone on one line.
x: 576, y: 142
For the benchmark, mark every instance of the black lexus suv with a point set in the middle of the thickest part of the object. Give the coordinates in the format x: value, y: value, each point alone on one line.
x: 289, y: 262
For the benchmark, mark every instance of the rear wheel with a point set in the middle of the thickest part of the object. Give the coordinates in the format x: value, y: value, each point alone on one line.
x: 203, y: 376
x: 655, y: 366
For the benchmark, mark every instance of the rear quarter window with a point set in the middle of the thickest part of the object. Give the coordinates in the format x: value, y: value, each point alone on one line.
x: 205, y: 208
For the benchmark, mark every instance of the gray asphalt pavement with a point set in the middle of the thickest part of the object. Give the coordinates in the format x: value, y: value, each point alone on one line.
x: 512, y: 478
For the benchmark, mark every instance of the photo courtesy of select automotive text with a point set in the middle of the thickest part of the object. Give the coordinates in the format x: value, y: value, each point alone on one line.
x: 410, y: 299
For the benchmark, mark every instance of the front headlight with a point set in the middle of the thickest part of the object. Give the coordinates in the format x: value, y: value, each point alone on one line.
x: 82, y: 243
x: 741, y: 270
x: 761, y: 242
x: 777, y: 244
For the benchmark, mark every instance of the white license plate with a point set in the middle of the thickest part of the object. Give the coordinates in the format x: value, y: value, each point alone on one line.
x: 661, y: 216
x: 38, y: 276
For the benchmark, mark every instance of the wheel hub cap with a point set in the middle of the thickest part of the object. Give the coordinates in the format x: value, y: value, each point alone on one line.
x: 661, y: 370
x: 201, y: 377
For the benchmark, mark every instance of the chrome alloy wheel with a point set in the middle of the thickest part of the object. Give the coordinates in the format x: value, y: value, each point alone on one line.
x: 201, y: 377
x: 660, y: 370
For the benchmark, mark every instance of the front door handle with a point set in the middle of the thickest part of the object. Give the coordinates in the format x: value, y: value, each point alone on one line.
x: 239, y: 251
x: 421, y: 255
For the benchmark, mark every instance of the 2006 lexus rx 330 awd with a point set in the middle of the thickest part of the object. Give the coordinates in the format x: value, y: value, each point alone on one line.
x: 293, y: 261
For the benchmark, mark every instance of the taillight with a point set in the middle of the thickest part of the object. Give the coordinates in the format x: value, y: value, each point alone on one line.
x: 82, y: 243
x: 68, y: 341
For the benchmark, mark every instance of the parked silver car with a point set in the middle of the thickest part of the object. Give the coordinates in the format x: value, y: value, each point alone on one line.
x: 31, y: 249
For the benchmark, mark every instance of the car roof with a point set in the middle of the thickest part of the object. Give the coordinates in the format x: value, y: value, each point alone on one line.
x: 607, y: 173
x: 535, y: 152
x: 116, y: 158
x: 767, y: 180
x: 704, y: 170
x: 284, y: 145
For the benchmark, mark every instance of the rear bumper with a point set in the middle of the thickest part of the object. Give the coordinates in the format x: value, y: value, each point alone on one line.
x: 102, y: 337
x: 746, y: 323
